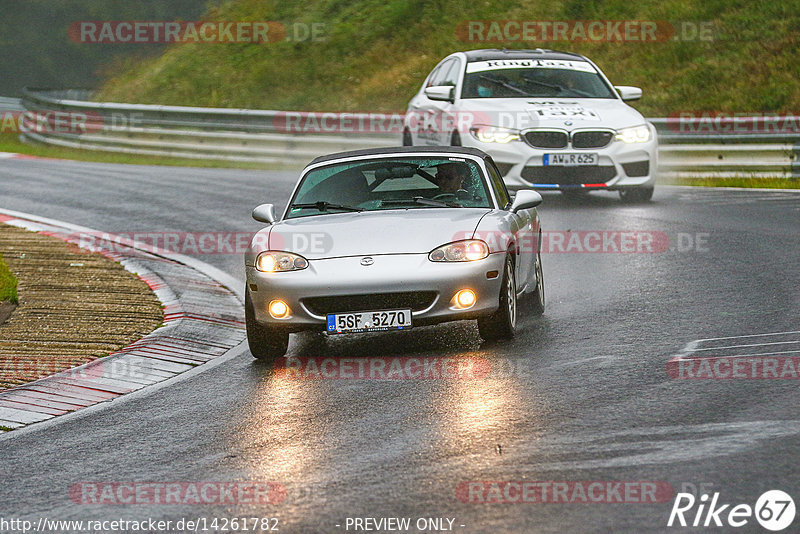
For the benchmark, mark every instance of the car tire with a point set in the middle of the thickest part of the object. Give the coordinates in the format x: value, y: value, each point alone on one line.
x: 636, y: 195
x: 407, y: 139
x: 455, y: 139
x: 536, y: 300
x: 502, y: 323
x: 266, y: 343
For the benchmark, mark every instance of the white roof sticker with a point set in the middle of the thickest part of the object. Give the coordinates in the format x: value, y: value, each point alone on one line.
x: 497, y: 64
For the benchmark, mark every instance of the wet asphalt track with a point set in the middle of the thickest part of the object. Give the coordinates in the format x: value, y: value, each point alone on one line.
x: 581, y: 394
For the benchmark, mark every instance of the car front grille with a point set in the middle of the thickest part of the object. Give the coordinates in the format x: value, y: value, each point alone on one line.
x: 591, y: 139
x: 546, y: 139
x: 556, y: 139
x: 414, y: 300
x: 590, y: 174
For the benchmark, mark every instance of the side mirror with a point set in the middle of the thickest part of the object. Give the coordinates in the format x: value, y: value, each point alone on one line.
x: 627, y: 93
x: 525, y: 199
x: 440, y: 92
x: 264, y: 213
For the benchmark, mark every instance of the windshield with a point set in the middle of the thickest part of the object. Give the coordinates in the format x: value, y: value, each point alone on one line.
x: 533, y: 78
x: 391, y: 183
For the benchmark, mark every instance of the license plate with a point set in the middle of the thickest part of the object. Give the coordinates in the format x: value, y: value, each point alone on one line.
x: 571, y: 159
x: 371, y: 321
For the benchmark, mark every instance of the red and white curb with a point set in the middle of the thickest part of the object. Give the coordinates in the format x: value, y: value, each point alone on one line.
x: 203, y: 321
x: 14, y: 155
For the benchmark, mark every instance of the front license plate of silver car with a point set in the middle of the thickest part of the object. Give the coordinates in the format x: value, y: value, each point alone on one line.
x: 370, y: 321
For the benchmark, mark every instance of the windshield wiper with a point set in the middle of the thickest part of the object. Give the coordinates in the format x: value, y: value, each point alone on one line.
x: 543, y: 84
x: 323, y: 205
x: 501, y: 83
x: 420, y: 200
x: 557, y: 87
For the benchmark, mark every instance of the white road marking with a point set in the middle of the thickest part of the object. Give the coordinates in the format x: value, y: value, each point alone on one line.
x: 748, y: 345
x: 748, y: 336
x: 697, y: 349
x: 740, y: 356
x: 654, y: 445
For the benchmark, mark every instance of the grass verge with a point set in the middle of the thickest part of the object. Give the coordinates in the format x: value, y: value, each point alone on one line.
x: 8, y: 284
x: 78, y: 306
x: 764, y: 183
x: 11, y: 143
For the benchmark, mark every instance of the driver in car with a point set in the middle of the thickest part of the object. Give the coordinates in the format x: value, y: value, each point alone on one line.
x: 450, y: 177
x: 564, y: 80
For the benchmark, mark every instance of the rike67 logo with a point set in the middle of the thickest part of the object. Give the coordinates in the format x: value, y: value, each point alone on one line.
x: 774, y: 510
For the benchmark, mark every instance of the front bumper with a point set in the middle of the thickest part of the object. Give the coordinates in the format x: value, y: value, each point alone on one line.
x: 620, y: 165
x: 389, y: 274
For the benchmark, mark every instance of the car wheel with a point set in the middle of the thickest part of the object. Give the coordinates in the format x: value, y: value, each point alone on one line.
x: 636, y: 194
x: 407, y: 139
x: 502, y: 323
x: 536, y: 306
x: 455, y: 139
x: 266, y: 343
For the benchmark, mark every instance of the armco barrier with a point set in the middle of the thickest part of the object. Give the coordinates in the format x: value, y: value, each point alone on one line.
x: 257, y: 136
x: 10, y: 104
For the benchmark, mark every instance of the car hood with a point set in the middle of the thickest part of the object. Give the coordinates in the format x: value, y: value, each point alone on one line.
x: 374, y: 232
x: 563, y: 113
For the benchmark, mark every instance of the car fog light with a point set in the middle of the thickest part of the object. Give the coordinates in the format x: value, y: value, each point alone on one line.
x: 465, y: 299
x: 278, y: 309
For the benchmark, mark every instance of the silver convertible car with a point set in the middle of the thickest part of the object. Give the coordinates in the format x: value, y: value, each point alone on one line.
x: 390, y: 239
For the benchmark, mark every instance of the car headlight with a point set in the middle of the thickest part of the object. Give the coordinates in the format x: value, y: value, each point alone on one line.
x: 271, y: 262
x: 467, y: 250
x: 636, y: 134
x: 493, y: 134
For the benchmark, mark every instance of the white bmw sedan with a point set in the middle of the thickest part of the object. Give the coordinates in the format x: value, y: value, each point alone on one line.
x: 550, y: 120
